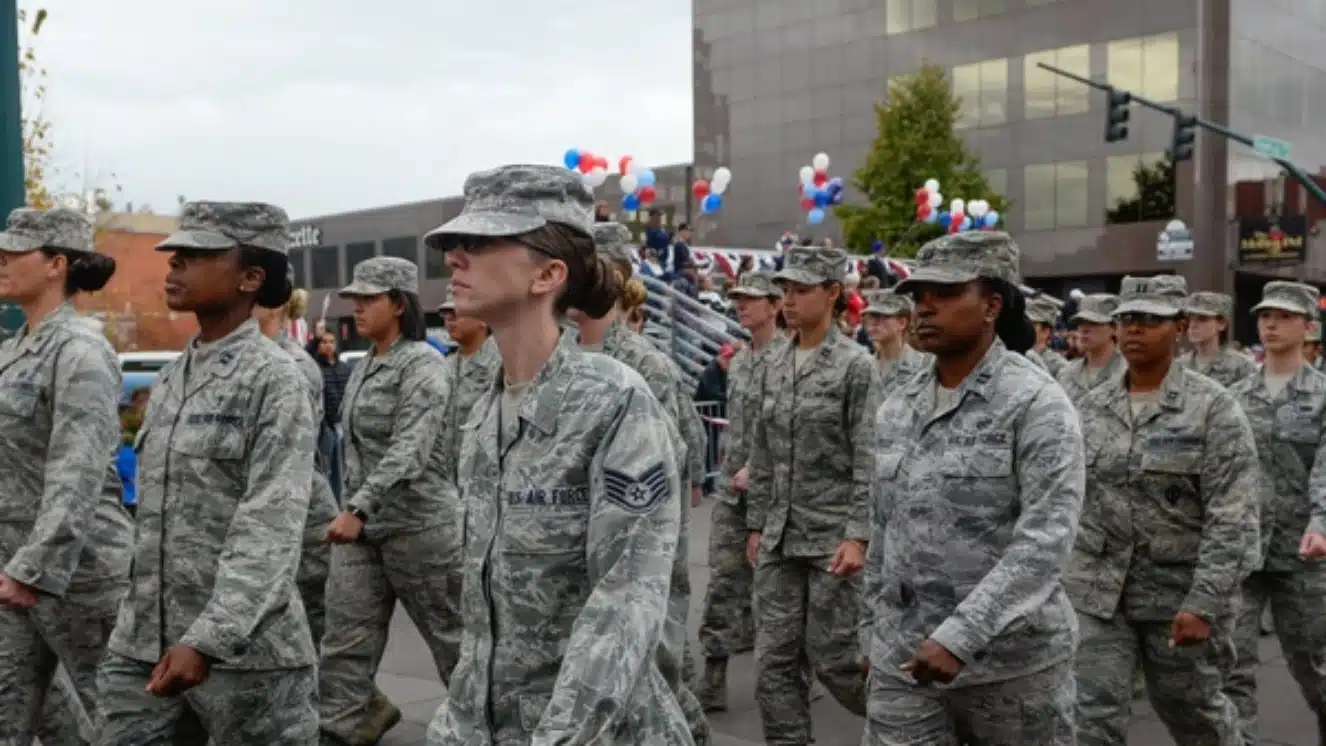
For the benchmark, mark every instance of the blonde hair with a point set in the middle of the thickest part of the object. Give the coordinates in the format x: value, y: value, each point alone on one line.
x: 634, y: 295
x: 297, y: 306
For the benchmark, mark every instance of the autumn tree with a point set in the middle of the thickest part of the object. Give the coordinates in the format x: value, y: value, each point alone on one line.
x: 1154, y: 198
x: 36, y: 128
x: 915, y: 141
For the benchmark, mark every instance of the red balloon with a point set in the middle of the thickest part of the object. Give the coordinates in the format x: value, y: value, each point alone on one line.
x: 624, y: 165
x: 600, y: 162
x: 586, y: 163
x: 700, y: 189
x: 821, y: 177
x: 807, y: 203
x: 923, y: 211
x: 922, y: 197
x: 646, y: 194
x: 956, y: 224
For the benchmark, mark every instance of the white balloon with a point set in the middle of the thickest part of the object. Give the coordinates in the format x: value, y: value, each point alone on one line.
x: 722, y: 175
x: 596, y: 178
x: 629, y: 182
x: 936, y: 199
x: 634, y: 168
x: 956, y: 205
x: 977, y: 208
x: 932, y: 186
x: 820, y: 161
x: 717, y: 187
x: 807, y: 174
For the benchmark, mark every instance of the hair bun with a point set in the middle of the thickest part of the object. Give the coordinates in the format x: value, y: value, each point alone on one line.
x: 89, y: 271
x: 600, y: 291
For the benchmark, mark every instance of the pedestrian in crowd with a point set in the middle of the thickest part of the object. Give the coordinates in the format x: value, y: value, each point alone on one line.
x: 573, y: 496
x: 126, y: 459
x: 687, y: 279
x: 727, y: 625
x: 808, y: 502
x: 1208, y: 317
x: 315, y: 556
x: 1043, y: 311
x: 1286, y: 404
x: 877, y: 266
x: 888, y: 320
x: 64, y: 542
x: 608, y: 335
x: 1312, y: 343
x: 978, y: 487
x: 1101, y: 360
x: 711, y: 392
x: 212, y: 641
x: 335, y: 376
x: 399, y: 535
x: 1165, y: 539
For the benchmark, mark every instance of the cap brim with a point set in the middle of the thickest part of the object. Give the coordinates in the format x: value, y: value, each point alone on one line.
x: 362, y: 290
x: 937, y: 276
x: 197, y: 240
x: 1092, y: 317
x: 881, y: 312
x: 491, y: 224
x: 1282, y: 305
x: 799, y: 276
x: 740, y: 292
x: 12, y: 244
x: 1148, y: 307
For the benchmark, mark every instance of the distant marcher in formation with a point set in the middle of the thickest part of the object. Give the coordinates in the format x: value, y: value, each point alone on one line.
x: 573, y: 497
x: 1208, y: 331
x: 978, y: 487
x: 1043, y: 312
x: 888, y: 321
x: 65, y: 537
x: 212, y: 642
x: 1167, y: 534
x: 1100, y: 359
x: 1312, y: 343
x: 399, y: 536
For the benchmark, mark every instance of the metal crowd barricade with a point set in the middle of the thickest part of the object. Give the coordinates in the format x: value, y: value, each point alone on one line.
x: 690, y: 332
x: 714, y: 416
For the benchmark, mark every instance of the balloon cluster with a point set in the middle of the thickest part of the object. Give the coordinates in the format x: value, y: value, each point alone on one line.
x: 593, y: 168
x: 637, y: 184
x: 710, y: 193
x: 818, y: 190
x: 961, y: 216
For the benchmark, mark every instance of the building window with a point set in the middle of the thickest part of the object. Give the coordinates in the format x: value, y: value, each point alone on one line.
x: 326, y: 270
x: 998, y: 181
x: 983, y: 88
x: 406, y: 248
x: 297, y: 263
x: 902, y: 16
x: 356, y: 253
x: 1049, y: 95
x: 1148, y: 66
x: 435, y: 264
x: 970, y: 10
x: 1055, y: 196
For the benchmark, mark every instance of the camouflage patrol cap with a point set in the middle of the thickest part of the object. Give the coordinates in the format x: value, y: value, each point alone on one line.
x: 959, y: 258
x: 1043, y: 309
x: 888, y: 303
x: 808, y: 265
x: 1097, y: 308
x: 756, y: 285
x: 221, y: 226
x: 1294, y: 297
x: 511, y: 200
x: 382, y: 274
x: 1161, y: 295
x: 1206, y: 303
x: 613, y: 240
x: 58, y: 228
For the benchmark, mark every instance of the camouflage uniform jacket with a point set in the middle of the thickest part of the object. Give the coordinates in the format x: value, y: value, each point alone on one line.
x: 397, y: 468
x: 745, y: 382
x: 975, y: 511
x: 811, y: 458
x: 225, y: 460
x: 473, y: 376
x: 59, y: 431
x: 1077, y: 380
x: 322, y: 507
x: 1226, y: 368
x: 570, y: 539
x: 1290, y: 445
x: 893, y: 375
x: 1171, y: 517
x: 1049, y: 360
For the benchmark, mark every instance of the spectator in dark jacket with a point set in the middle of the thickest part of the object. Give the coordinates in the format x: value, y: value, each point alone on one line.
x: 335, y: 375
x: 712, y: 389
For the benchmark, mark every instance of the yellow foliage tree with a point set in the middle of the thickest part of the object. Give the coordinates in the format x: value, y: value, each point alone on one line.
x: 36, y: 128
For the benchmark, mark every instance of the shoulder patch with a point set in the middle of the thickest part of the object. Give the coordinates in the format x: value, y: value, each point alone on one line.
x: 636, y: 494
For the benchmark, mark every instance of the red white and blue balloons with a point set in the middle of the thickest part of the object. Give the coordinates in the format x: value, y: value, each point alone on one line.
x: 818, y: 190
x: 961, y: 215
x: 593, y: 168
x: 710, y: 193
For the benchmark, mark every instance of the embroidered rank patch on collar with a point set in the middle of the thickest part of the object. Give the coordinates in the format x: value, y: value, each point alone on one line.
x: 636, y: 494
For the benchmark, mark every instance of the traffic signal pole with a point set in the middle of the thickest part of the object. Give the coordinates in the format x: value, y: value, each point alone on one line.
x: 1116, y: 128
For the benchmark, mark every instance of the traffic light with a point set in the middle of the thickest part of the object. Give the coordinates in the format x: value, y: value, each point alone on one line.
x: 1185, y: 134
x: 1116, y: 120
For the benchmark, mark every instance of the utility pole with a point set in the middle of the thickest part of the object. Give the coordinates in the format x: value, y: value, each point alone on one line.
x: 13, y: 192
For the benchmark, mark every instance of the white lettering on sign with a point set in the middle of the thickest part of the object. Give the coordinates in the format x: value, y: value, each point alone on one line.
x: 305, y: 237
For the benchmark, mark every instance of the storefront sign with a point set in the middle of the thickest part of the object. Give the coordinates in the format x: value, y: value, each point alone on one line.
x: 305, y: 237
x: 1267, y: 241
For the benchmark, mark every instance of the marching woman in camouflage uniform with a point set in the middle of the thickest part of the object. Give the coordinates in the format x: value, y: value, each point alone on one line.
x: 1101, y: 360
x: 212, y: 639
x: 888, y: 321
x: 977, y: 492
x: 399, y: 536
x: 727, y: 626
x: 1167, y: 533
x: 572, y: 494
x: 1286, y: 404
x: 64, y: 537
x: 807, y: 505
x: 315, y: 559
x: 474, y: 365
x: 1208, y: 329
x: 1312, y: 343
x: 1043, y: 312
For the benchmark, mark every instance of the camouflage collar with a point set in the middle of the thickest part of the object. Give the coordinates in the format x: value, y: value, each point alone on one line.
x: 981, y: 381
x: 543, y: 399
x: 34, y: 340
x: 1306, y: 380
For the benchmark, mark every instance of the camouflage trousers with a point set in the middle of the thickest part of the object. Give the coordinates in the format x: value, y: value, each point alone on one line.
x: 230, y: 708
x: 727, y: 626
x: 311, y: 580
x: 64, y: 719
x: 673, y: 652
x: 805, y: 616
x: 1031, y: 710
x: 70, y: 631
x: 1298, y: 607
x: 1185, y: 685
x: 420, y: 570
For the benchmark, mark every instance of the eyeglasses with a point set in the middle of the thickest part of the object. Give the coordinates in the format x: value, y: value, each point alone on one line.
x: 1142, y: 319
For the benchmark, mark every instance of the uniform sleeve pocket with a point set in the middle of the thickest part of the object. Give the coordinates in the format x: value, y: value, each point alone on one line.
x: 977, y: 463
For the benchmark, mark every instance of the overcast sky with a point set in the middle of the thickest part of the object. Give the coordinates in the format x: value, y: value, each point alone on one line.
x: 324, y: 106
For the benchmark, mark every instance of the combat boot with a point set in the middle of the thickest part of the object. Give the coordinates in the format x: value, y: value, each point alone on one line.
x: 712, y: 691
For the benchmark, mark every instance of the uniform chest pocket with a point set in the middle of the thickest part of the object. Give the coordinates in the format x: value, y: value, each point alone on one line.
x: 209, y: 442
x: 977, y: 463
x: 1173, y: 475
x: 1293, y: 424
x: 532, y: 532
x: 18, y: 403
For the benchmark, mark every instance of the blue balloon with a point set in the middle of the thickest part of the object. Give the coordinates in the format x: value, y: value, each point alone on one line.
x: 944, y: 219
x: 821, y: 198
x: 836, y: 182
x: 630, y: 202
x: 932, y: 218
x: 646, y: 178
x: 815, y: 216
x: 966, y: 224
x: 990, y: 219
x: 571, y: 159
x: 712, y: 203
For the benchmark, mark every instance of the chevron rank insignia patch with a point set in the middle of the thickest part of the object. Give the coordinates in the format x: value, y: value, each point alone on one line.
x: 636, y: 494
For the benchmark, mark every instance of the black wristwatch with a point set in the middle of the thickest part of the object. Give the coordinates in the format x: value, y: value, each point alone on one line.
x: 358, y: 513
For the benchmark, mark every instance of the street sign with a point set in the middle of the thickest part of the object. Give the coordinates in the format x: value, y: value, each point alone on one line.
x: 1174, y: 244
x: 1270, y: 147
